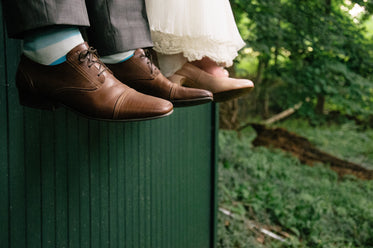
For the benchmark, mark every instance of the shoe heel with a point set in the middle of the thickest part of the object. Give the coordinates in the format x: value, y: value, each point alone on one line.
x: 35, y: 101
x: 28, y: 95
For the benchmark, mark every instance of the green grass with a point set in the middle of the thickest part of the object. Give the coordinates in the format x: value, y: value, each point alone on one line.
x: 346, y: 141
x: 270, y: 189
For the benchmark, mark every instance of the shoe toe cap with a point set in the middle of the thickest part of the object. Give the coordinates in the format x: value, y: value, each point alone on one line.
x: 138, y: 106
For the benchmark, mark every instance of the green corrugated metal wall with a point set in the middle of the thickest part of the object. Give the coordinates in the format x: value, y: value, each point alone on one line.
x: 66, y: 181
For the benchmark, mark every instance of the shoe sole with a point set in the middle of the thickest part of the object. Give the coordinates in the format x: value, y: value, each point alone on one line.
x: 54, y: 106
x: 126, y: 120
x: 191, y: 102
x: 231, y: 94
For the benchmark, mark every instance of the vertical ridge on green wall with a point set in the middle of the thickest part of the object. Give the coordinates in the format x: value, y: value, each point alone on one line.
x: 4, y: 170
x: 67, y: 181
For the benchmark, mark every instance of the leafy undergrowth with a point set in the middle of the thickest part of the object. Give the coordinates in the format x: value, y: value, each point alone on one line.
x: 263, y: 190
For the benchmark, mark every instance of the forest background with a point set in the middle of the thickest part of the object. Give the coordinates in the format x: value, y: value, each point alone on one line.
x: 319, y: 52
x: 316, y: 55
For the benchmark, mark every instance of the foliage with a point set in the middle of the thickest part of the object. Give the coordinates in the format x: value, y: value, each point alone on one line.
x: 369, y: 27
x: 273, y: 190
x: 308, y: 50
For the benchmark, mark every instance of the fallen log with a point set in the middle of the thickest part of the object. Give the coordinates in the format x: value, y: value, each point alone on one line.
x: 283, y: 114
x: 277, y: 117
x: 305, y: 151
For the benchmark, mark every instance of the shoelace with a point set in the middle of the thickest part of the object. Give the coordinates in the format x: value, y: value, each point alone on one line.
x: 149, y: 57
x: 90, y: 55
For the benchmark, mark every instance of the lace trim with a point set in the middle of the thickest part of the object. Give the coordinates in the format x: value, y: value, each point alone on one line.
x: 195, y: 48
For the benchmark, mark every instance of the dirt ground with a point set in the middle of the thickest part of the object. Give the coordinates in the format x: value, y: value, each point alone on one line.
x: 305, y: 151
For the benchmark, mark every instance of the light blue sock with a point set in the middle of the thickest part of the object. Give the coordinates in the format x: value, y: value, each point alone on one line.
x: 49, y: 47
x: 117, y: 57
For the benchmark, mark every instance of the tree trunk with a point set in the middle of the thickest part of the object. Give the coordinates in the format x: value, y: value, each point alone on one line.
x: 260, y: 69
x: 320, y: 104
x: 328, y: 7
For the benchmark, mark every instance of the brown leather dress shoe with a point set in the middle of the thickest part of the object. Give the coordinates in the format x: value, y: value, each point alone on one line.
x: 84, y: 84
x: 223, y: 88
x: 141, y: 74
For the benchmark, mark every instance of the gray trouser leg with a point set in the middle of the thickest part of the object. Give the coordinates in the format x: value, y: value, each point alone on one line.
x: 118, y: 25
x: 115, y: 25
x: 23, y: 16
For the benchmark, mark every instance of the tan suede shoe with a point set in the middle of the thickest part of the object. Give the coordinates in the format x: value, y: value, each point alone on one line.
x: 139, y: 73
x: 84, y: 84
x: 223, y: 88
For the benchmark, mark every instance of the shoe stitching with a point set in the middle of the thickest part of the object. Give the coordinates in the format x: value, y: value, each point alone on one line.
x: 84, y: 73
x: 172, y: 92
x: 118, y: 103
